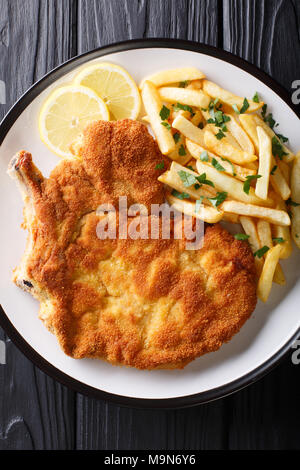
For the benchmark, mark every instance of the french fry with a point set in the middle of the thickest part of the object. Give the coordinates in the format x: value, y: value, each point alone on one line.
x: 264, y: 233
x: 192, y: 165
x: 215, y: 91
x: 267, y: 274
x: 189, y: 130
x: 146, y: 119
x: 232, y: 186
x: 195, y: 85
x: 265, y: 159
x: 205, y: 213
x: 295, y: 187
x: 285, y: 170
x: 278, y: 181
x: 250, y: 123
x: 205, y: 190
x: 232, y: 218
x: 229, y: 137
x: 165, y: 77
x: 265, y: 236
x: 213, y: 128
x: 249, y: 227
x: 181, y: 112
x: 195, y: 98
x: 230, y: 168
x: 153, y: 107
x: 252, y: 166
x: 283, y: 232
x: 224, y: 148
x: 175, y: 155
x: 239, y: 134
x: 274, y: 216
x: 260, y: 122
x: 172, y: 179
x: 197, y: 118
x: 279, y: 277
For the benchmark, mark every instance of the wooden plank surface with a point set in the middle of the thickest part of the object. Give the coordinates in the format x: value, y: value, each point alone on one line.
x: 102, y: 22
x: 266, y: 33
x: 35, y: 412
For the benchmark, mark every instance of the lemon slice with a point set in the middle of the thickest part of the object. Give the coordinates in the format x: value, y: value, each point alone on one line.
x: 66, y: 113
x: 115, y: 86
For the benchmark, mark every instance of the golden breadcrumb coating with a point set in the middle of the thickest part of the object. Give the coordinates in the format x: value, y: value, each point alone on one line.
x: 141, y: 303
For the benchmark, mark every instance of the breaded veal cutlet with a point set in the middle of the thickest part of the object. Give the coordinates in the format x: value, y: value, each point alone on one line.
x: 142, y: 303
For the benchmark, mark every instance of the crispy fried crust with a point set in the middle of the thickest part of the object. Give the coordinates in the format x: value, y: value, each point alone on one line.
x: 142, y: 303
x: 119, y: 158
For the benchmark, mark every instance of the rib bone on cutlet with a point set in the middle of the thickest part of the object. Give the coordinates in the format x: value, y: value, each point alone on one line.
x: 29, y: 180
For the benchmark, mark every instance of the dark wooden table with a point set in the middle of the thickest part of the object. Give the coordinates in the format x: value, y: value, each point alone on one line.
x: 35, y: 411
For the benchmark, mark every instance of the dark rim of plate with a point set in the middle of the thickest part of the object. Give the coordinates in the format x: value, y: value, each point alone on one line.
x: 37, y: 359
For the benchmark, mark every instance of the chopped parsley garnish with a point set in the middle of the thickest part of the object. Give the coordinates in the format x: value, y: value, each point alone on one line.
x: 220, y: 197
x: 235, y: 109
x: 202, y: 180
x: 277, y: 148
x: 273, y: 170
x: 218, y: 118
x: 241, y: 236
x: 176, y: 137
x: 255, y: 98
x: 181, y: 150
x: 213, y: 105
x: 249, y: 178
x: 292, y: 203
x: 261, y: 252
x: 187, y: 178
x: 180, y: 195
x: 167, y: 125
x: 220, y: 135
x: 190, y: 167
x: 232, y: 165
x: 245, y: 106
x: 204, y: 156
x: 160, y: 166
x: 263, y: 111
x: 183, y: 107
x: 278, y: 240
x: 164, y: 113
x: 217, y: 165
x: 183, y: 84
x: 282, y: 138
x: 268, y: 118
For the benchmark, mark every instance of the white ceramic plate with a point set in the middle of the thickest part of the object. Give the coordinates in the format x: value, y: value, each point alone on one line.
x: 266, y: 336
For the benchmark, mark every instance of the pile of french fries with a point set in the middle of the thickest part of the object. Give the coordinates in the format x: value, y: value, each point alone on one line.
x: 227, y: 164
